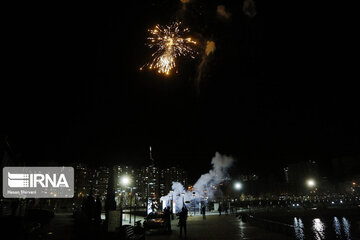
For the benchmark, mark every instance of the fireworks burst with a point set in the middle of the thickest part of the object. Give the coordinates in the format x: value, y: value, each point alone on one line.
x: 170, y: 42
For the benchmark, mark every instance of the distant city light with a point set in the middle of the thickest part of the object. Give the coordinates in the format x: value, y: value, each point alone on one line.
x: 238, y: 186
x: 310, y: 183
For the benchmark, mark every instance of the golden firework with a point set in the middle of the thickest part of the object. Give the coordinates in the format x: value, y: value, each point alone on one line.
x: 169, y: 43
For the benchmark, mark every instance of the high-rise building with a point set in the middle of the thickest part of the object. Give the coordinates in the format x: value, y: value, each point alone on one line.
x: 81, y: 183
x: 88, y: 180
x: 171, y: 175
x: 100, y: 179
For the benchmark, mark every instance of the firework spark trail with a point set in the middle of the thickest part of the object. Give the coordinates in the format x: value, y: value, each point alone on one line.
x: 170, y: 42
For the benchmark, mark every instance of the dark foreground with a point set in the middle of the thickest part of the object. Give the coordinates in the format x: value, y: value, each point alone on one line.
x: 214, y: 227
x: 219, y: 227
x: 65, y: 226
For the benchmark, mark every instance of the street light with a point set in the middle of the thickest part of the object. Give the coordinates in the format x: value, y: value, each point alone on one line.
x: 310, y: 183
x: 125, y: 180
x: 237, y: 185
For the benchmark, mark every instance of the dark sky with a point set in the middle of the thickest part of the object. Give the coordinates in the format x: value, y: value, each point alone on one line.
x: 279, y: 87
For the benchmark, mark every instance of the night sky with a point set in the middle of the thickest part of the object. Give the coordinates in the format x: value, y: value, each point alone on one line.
x: 279, y: 88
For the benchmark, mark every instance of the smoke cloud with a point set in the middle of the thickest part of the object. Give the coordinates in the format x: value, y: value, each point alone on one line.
x: 205, y: 187
x: 218, y: 173
x: 221, y: 12
x: 209, y: 49
x: 184, y: 2
x: 249, y: 8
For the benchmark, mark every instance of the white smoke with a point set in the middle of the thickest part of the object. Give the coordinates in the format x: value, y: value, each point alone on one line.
x: 205, y: 186
x: 208, y: 181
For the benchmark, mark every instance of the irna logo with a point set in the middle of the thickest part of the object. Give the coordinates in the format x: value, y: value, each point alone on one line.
x: 38, y: 182
x: 16, y: 180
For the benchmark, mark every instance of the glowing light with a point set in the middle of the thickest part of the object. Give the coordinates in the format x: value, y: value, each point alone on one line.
x: 169, y: 43
x: 125, y: 180
x: 238, y: 186
x: 310, y: 183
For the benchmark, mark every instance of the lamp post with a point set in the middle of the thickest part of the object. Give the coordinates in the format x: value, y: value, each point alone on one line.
x: 135, y: 208
x: 183, y: 199
x: 147, y: 197
x: 171, y: 201
x: 194, y: 203
x: 131, y: 193
x: 125, y: 181
x: 122, y: 193
x: 237, y: 187
x: 172, y: 204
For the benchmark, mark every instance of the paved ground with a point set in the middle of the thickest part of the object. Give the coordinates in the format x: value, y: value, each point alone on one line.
x: 60, y: 227
x: 214, y: 227
x: 218, y: 227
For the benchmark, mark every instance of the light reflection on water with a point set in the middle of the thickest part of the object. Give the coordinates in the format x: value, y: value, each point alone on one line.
x: 299, y: 228
x: 337, y: 227
x: 346, y: 226
x: 333, y: 228
x: 319, y: 229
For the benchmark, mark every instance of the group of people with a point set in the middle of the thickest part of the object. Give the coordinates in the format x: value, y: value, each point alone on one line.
x: 167, y: 218
x: 182, y: 220
x: 226, y: 210
x: 182, y: 216
x: 92, y: 209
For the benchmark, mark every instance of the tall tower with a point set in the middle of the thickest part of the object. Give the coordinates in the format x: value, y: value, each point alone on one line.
x: 151, y: 158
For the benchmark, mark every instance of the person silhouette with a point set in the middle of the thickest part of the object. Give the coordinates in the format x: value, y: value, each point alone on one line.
x: 167, y: 219
x: 14, y: 207
x: 89, y: 207
x: 97, y: 212
x: 182, y: 220
x: 203, y: 212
